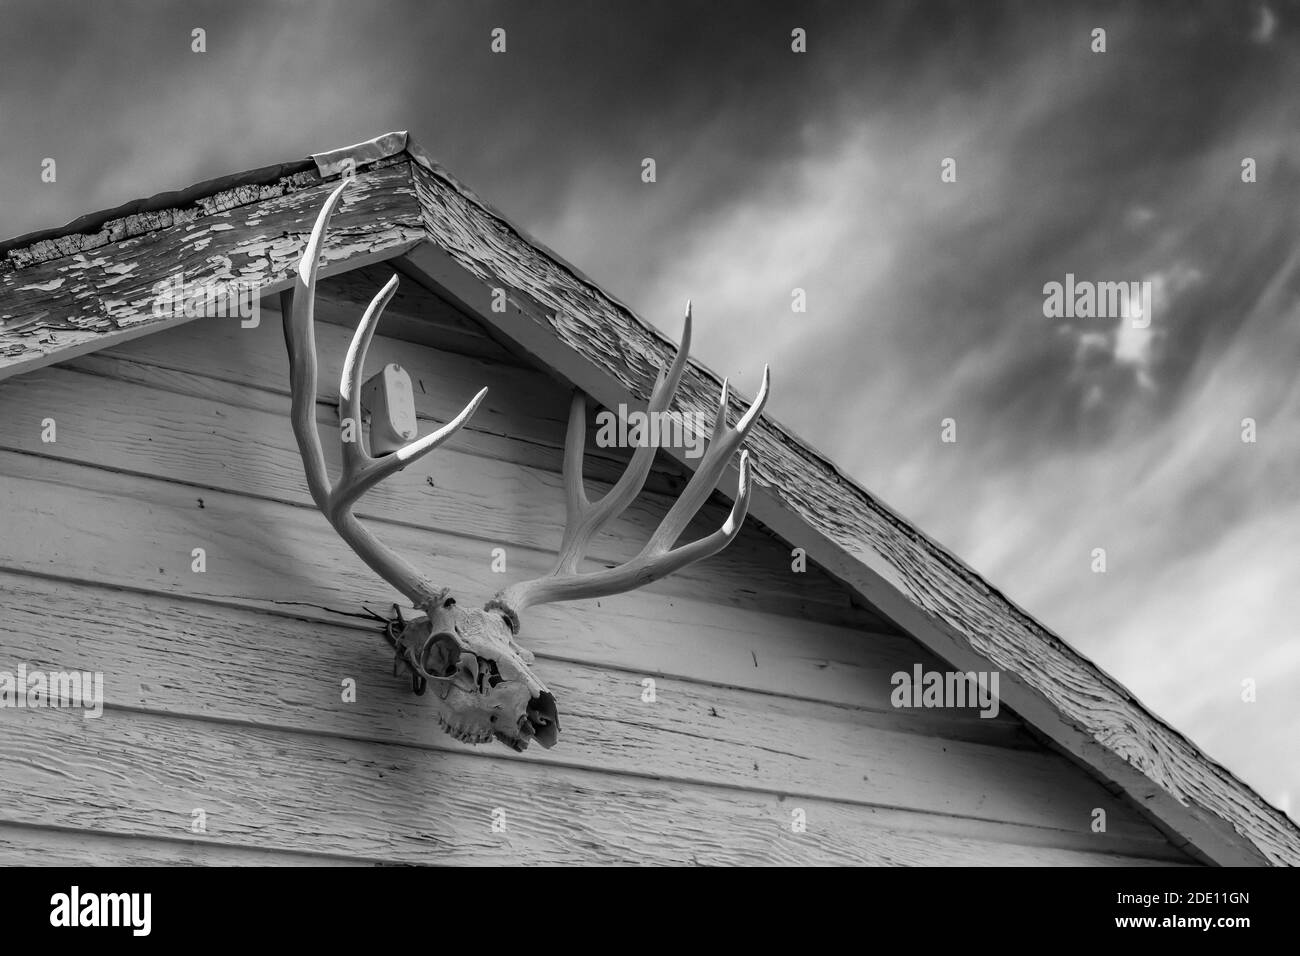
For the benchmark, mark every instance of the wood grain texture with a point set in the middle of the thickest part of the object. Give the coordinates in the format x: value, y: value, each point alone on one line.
x: 227, y: 640
x: 600, y: 466
x: 101, y: 290
x: 142, y: 775
x: 234, y: 670
x: 596, y: 342
x: 150, y: 433
x: 461, y: 562
x: 525, y: 411
x: 43, y: 846
x: 523, y: 418
x: 86, y: 524
x: 524, y: 405
x: 414, y: 314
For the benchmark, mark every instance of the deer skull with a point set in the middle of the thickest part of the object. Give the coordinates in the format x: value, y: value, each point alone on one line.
x: 478, y: 675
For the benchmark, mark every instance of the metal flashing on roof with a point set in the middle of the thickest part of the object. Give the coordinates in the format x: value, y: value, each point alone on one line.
x: 337, y: 162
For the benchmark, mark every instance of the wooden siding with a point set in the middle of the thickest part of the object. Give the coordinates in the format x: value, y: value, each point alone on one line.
x: 223, y: 688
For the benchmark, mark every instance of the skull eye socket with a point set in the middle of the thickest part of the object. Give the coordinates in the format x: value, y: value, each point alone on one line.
x: 440, y: 656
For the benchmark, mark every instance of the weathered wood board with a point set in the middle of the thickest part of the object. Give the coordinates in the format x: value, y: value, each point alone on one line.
x: 414, y: 314
x: 717, y: 723
x: 76, y: 297
x: 303, y: 792
x: 238, y: 667
x: 43, y: 846
x: 151, y: 433
x: 125, y: 532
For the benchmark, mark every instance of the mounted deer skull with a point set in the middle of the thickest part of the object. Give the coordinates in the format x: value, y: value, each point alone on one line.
x: 480, y: 675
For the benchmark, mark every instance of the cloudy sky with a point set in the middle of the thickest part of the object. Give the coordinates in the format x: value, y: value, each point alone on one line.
x: 821, y: 171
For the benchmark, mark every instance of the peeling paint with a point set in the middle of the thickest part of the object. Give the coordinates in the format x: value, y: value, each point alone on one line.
x: 42, y: 286
x: 59, y: 286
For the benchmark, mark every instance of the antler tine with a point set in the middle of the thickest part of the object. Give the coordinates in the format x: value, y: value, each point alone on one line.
x: 355, y: 453
x: 583, y: 519
x: 723, y: 442
x: 361, y: 472
x: 658, y: 558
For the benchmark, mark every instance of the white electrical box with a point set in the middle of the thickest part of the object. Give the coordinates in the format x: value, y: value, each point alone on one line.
x: 389, y: 402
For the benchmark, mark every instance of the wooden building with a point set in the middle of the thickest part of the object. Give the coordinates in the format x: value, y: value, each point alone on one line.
x: 156, y: 528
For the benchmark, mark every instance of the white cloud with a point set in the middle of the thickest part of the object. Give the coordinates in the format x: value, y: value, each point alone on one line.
x: 1265, y: 25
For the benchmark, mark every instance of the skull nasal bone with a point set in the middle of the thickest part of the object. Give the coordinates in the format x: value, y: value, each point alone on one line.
x: 467, y: 672
x: 545, y: 719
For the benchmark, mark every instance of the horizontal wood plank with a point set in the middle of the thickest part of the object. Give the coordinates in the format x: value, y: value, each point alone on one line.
x: 44, y: 846
x: 414, y: 314
x: 142, y: 431
x: 546, y: 456
x: 299, y: 792
x: 522, y: 403
x: 223, y: 664
x: 522, y: 422
x: 86, y: 524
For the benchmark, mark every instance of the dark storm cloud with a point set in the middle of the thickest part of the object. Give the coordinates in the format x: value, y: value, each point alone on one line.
x: 821, y: 171
x: 583, y: 82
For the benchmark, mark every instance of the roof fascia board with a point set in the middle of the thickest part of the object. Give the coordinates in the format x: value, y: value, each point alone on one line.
x: 58, y: 309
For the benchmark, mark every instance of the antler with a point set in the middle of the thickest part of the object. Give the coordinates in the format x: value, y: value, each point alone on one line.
x: 584, y: 519
x: 361, y: 472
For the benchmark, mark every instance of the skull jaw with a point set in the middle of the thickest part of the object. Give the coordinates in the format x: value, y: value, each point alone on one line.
x: 475, y: 723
